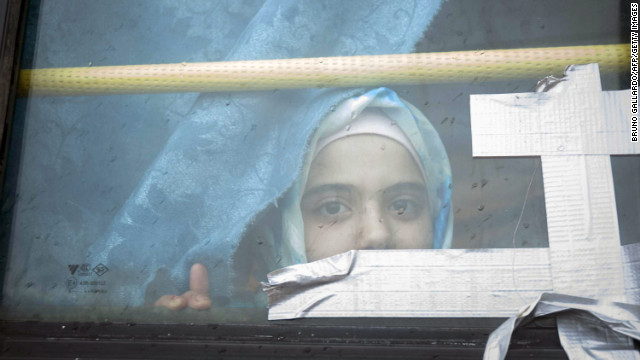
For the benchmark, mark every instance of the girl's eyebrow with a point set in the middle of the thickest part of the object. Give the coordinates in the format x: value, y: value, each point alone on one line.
x: 332, y: 188
x: 408, y: 186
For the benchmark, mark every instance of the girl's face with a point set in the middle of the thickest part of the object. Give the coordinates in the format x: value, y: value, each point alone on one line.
x: 364, y: 192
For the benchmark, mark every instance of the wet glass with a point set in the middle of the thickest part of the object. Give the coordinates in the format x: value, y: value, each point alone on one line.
x: 137, y: 188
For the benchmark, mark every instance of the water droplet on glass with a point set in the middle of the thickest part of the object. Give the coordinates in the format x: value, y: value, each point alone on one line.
x: 561, y: 148
x: 348, y: 127
x: 332, y: 108
x: 481, y: 207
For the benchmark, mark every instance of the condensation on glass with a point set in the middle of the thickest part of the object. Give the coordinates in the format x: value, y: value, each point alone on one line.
x: 110, y: 200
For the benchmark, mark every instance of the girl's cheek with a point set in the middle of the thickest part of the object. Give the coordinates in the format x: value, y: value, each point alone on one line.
x: 315, y: 247
x: 337, y: 239
x: 415, y: 234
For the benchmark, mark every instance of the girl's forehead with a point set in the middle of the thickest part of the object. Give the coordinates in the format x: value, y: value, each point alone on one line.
x: 363, y: 159
x: 361, y: 145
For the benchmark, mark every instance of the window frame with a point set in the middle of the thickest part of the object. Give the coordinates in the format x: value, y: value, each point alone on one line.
x: 438, y: 338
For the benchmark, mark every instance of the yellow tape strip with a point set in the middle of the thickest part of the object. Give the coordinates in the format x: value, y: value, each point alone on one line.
x: 460, y: 66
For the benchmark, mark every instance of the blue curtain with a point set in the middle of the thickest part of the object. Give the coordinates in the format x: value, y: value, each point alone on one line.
x: 147, y: 185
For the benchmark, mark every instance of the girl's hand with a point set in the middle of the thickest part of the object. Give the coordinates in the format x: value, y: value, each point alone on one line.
x: 198, y: 295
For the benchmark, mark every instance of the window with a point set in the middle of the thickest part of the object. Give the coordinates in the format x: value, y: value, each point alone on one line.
x: 111, y: 199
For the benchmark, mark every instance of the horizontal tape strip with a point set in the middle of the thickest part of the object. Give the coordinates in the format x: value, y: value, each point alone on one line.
x: 552, y: 124
x: 422, y: 283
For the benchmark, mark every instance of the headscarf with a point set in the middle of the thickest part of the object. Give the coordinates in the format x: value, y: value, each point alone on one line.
x: 423, y: 139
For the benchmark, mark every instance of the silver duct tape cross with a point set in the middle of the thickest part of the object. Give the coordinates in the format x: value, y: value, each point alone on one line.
x: 574, y: 127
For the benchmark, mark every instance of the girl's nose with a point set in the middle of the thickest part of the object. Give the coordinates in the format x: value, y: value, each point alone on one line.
x: 375, y: 232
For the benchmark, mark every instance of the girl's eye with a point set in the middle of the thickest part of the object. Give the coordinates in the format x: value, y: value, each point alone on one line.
x: 400, y: 206
x: 333, y: 208
x: 405, y: 208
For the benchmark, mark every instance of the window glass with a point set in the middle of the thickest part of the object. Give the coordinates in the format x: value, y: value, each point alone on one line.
x: 626, y: 175
x: 110, y: 200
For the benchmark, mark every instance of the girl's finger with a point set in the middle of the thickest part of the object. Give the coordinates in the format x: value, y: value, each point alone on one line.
x: 172, y: 302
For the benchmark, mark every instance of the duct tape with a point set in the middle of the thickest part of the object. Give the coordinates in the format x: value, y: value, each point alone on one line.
x: 525, y: 124
x: 411, y: 283
x: 598, y: 329
x: 631, y: 267
x: 421, y: 283
x: 574, y: 127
